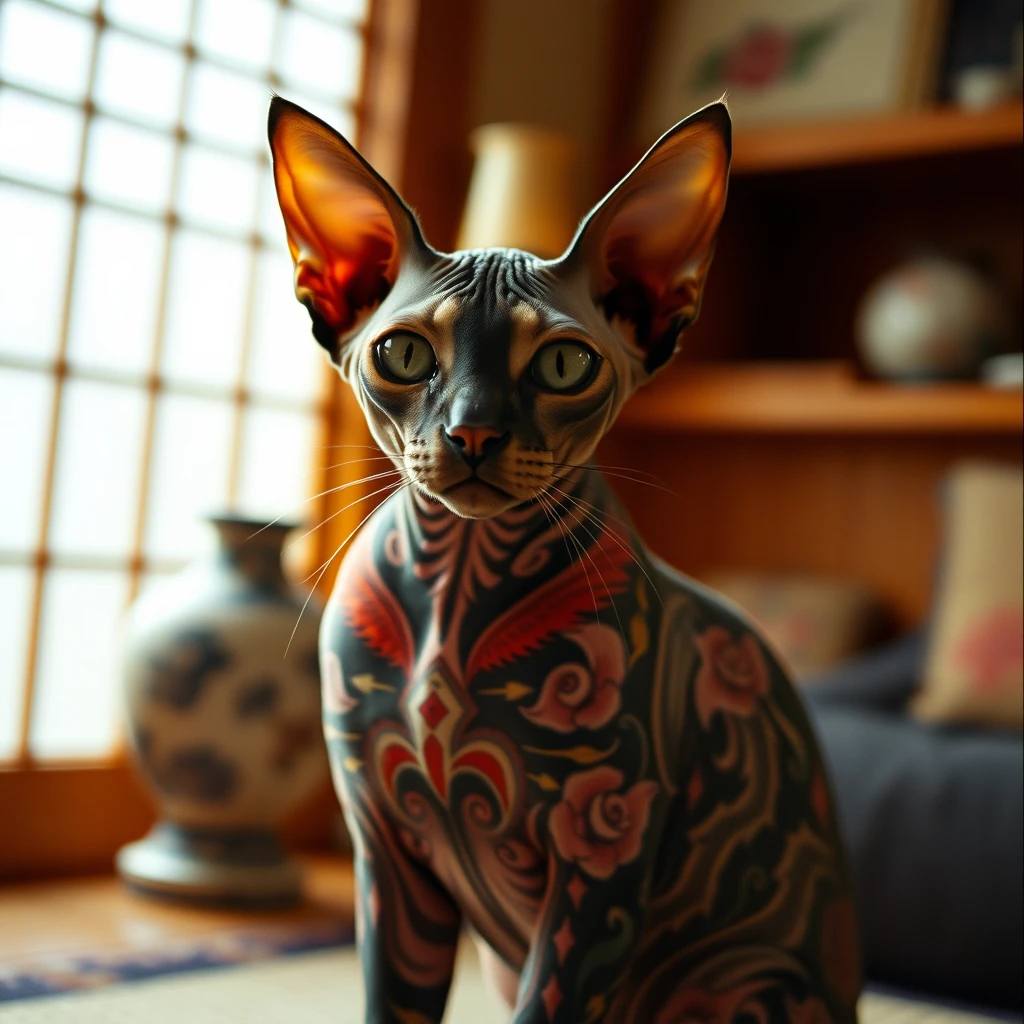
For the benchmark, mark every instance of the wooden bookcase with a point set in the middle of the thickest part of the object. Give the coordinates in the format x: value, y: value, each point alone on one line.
x: 783, y: 456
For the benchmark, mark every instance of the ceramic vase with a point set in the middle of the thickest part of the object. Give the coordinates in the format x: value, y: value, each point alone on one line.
x: 931, y: 319
x: 223, y: 724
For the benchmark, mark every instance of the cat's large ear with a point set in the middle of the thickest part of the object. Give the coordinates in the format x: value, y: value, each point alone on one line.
x: 348, y: 231
x: 648, y: 245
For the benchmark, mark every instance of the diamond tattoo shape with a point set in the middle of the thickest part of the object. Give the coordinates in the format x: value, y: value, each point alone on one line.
x: 433, y: 710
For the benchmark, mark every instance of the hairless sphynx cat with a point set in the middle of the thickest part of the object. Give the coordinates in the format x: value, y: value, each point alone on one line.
x: 538, y: 729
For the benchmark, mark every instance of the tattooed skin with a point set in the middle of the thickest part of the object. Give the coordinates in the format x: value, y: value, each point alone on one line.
x: 538, y: 730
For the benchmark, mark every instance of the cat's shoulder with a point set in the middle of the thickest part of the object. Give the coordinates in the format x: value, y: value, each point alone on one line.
x: 705, y: 633
x: 694, y: 610
x: 682, y: 594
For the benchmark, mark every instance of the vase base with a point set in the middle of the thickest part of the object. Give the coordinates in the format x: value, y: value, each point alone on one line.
x: 211, y: 866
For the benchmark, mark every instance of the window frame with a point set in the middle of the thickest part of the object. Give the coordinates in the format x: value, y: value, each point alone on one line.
x: 71, y: 817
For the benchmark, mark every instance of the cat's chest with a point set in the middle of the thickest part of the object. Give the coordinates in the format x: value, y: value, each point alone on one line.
x: 462, y: 706
x: 430, y: 731
x: 478, y: 701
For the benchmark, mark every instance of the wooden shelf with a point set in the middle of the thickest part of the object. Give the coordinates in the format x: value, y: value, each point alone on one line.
x: 871, y: 140
x: 816, y: 398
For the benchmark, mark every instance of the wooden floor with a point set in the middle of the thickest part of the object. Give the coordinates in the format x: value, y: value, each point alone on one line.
x: 98, y: 915
x: 92, y: 915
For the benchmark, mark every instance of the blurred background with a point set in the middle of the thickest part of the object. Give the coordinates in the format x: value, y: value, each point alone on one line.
x: 859, y: 341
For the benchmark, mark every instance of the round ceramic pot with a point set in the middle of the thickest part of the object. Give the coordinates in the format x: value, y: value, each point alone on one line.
x: 223, y: 713
x: 931, y: 319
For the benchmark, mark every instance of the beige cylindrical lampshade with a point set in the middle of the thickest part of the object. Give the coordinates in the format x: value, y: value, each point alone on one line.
x: 522, y: 193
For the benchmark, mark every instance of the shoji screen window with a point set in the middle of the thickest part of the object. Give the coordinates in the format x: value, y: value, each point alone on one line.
x: 153, y: 363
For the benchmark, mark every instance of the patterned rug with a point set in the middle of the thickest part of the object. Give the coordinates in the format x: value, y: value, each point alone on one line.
x: 321, y: 987
x: 75, y: 973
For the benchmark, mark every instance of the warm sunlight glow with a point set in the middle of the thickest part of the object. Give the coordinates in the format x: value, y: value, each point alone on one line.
x: 154, y: 365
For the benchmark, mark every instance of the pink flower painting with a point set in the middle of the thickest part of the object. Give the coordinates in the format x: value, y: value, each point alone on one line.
x: 596, y: 825
x: 587, y: 696
x: 759, y: 58
x: 732, y: 675
x: 765, y: 54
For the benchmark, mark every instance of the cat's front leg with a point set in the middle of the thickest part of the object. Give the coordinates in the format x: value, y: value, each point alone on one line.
x: 581, y: 950
x: 407, y: 925
x: 602, y: 835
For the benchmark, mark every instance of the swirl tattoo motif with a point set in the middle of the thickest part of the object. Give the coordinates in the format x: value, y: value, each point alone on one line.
x: 634, y: 819
x: 536, y: 729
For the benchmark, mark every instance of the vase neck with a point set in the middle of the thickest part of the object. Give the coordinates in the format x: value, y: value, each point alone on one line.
x: 253, y: 552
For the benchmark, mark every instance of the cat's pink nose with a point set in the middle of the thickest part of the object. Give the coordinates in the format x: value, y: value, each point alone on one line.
x: 475, y: 442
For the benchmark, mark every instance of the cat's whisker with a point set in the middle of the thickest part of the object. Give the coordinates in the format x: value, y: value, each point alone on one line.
x: 579, y: 547
x: 355, y: 501
x: 621, y: 476
x: 568, y: 494
x: 326, y: 565
x: 368, y: 479
x: 548, y: 518
x: 601, y: 467
x: 350, y: 462
x: 582, y: 512
x: 639, y: 481
x: 551, y: 514
x: 562, y: 478
x: 592, y: 516
x: 546, y: 504
x: 321, y: 494
x: 615, y: 475
x: 630, y: 469
x: 397, y: 485
x: 365, y: 447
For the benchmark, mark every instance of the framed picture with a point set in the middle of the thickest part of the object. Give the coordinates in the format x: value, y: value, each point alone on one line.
x: 782, y: 60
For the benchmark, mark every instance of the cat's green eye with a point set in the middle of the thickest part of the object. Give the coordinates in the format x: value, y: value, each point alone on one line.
x: 406, y: 358
x: 564, y: 366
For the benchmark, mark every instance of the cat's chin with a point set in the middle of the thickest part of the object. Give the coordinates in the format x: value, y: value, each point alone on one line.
x: 475, y: 499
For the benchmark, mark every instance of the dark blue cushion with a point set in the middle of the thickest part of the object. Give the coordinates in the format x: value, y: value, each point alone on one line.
x: 884, y: 680
x: 934, y: 820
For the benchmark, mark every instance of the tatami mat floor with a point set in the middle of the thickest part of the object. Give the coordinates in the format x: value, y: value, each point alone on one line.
x: 316, y: 988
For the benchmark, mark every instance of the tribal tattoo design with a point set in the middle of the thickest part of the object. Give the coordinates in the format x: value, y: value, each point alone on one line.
x: 539, y: 731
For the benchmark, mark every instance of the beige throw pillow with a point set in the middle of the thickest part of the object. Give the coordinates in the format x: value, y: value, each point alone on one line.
x: 812, y: 622
x: 975, y: 665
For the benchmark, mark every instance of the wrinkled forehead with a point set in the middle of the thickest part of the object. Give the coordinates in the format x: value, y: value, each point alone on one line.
x: 499, y: 296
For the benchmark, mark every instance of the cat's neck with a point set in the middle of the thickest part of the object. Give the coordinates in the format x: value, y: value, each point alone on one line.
x: 581, y: 497
x: 465, y: 574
